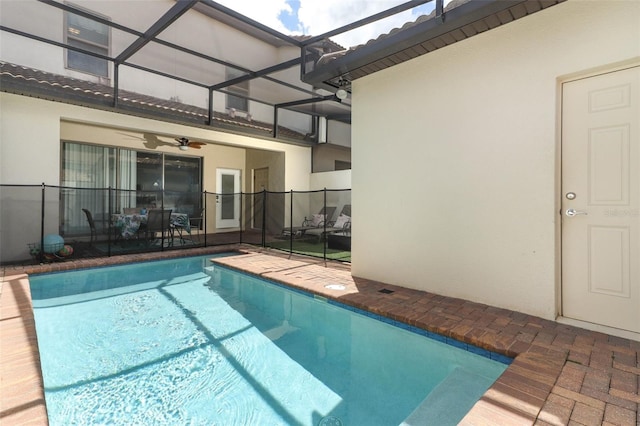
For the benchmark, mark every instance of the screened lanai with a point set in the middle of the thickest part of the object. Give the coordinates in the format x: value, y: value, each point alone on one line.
x: 205, y: 75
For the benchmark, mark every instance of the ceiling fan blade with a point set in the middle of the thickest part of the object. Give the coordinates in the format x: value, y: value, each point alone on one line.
x: 196, y: 144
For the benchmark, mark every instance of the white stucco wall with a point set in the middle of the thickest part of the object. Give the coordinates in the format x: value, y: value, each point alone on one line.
x: 339, y: 179
x: 35, y: 127
x: 338, y: 133
x: 455, y: 156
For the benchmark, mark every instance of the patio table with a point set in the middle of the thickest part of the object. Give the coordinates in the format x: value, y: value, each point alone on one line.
x: 127, y: 225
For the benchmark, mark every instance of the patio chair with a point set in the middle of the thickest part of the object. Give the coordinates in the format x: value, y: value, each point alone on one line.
x: 158, y: 221
x: 195, y: 222
x: 92, y: 225
x: 312, y: 222
x: 342, y: 224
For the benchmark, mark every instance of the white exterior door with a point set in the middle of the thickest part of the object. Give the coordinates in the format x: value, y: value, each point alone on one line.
x: 227, y: 198
x: 601, y: 200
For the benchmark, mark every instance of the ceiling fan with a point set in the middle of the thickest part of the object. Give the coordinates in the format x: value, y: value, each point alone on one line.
x: 184, y: 144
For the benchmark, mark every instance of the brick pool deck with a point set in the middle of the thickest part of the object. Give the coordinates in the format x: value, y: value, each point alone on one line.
x: 561, y: 375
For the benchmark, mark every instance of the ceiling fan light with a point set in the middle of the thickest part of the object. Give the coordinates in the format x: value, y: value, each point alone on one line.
x: 183, y: 148
x: 341, y: 94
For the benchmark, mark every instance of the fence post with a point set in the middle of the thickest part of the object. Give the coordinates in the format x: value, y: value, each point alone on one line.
x: 204, y: 216
x: 264, y: 217
x: 162, y: 216
x: 241, y: 218
x: 41, y: 254
x: 109, y: 228
x: 324, y: 240
x: 291, y: 224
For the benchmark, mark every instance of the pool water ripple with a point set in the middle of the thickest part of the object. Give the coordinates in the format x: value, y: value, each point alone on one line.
x: 196, y: 345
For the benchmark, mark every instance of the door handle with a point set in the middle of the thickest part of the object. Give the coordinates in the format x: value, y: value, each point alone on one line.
x: 574, y: 212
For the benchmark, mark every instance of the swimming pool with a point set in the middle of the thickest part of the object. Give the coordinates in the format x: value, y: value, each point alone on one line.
x: 184, y: 342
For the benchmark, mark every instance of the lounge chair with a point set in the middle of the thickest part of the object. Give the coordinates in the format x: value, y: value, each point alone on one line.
x: 312, y: 222
x: 341, y: 224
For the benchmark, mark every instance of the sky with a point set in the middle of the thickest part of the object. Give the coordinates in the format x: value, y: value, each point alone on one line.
x: 314, y: 17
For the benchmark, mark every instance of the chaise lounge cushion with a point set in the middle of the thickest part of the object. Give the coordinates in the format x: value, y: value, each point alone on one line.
x: 342, y: 220
x: 317, y: 219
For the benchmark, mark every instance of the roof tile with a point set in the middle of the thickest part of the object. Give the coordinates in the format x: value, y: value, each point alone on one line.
x: 59, y: 85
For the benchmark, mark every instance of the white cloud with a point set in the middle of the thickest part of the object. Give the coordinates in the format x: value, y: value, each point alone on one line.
x: 319, y: 16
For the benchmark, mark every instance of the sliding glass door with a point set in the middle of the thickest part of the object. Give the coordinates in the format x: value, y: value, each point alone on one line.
x: 138, y: 179
x: 183, y: 184
x: 149, y: 183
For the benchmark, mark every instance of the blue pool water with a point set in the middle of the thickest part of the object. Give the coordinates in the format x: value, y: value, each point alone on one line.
x: 182, y: 342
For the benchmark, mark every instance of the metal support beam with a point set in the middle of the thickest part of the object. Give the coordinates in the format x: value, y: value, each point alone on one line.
x: 440, y: 10
x: 275, y: 121
x: 210, y: 108
x: 257, y: 74
x: 116, y: 83
x: 307, y: 101
x: 176, y: 11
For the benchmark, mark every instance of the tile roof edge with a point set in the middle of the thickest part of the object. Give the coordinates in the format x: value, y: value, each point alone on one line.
x: 39, y: 77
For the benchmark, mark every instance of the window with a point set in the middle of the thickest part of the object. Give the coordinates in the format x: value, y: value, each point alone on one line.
x: 90, y: 35
x: 104, y: 179
x: 239, y: 103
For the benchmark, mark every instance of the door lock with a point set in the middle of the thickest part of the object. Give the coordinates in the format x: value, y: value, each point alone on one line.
x: 574, y: 212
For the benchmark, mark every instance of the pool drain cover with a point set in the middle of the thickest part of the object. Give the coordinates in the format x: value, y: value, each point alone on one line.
x: 330, y: 421
x: 385, y: 291
x: 335, y: 287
